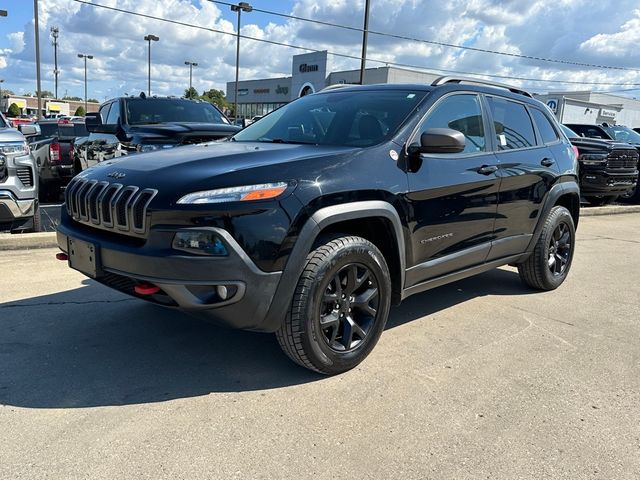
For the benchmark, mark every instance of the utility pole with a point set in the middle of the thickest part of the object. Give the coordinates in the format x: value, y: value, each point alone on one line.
x: 55, y: 32
x: 365, y: 36
x: 240, y: 7
x: 191, y: 65
x: 37, y: 39
x: 82, y: 55
x: 150, y: 38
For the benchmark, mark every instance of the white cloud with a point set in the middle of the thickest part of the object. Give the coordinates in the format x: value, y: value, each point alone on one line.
x: 564, y: 29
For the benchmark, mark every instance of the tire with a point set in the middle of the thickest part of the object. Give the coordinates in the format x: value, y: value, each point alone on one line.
x: 345, y: 285
x: 37, y: 221
x: 549, y: 264
x: 598, y: 200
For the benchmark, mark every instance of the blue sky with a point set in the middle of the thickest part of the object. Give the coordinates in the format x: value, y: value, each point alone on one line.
x: 570, y: 30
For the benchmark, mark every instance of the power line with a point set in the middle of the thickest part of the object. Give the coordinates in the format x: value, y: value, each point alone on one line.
x: 432, y: 42
x: 353, y: 57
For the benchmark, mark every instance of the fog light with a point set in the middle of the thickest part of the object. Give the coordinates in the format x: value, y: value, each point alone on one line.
x: 222, y: 292
x: 200, y: 242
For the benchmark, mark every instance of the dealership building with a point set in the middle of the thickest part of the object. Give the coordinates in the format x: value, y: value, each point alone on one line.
x: 310, y: 73
x: 593, y: 107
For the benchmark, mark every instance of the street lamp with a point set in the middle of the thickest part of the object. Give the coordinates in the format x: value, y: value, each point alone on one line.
x: 150, y: 38
x: 81, y: 55
x: 191, y: 65
x: 240, y: 7
x: 55, y: 33
x: 1, y: 82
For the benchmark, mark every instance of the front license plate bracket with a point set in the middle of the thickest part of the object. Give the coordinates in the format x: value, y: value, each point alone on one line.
x: 84, y: 257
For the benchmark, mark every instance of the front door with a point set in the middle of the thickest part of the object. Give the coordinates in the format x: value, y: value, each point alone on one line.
x: 452, y: 197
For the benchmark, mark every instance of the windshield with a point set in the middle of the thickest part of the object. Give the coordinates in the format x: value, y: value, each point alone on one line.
x: 155, y: 110
x: 348, y: 118
x: 568, y: 132
x: 3, y: 124
x: 623, y: 134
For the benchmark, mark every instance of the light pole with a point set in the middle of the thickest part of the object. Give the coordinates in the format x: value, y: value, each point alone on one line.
x: 37, y: 40
x: 365, y: 34
x: 150, y: 38
x: 240, y: 7
x: 82, y: 55
x: 191, y: 65
x: 55, y: 32
x: 1, y: 82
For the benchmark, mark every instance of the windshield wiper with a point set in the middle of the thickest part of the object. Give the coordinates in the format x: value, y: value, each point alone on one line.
x: 282, y: 140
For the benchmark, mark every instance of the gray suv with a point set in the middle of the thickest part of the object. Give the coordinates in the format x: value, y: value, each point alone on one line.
x: 18, y: 187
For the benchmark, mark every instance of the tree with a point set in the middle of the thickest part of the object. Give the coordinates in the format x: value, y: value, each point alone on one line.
x: 74, y: 99
x: 216, y: 97
x: 14, y: 110
x: 191, y: 93
x: 6, y: 91
x: 80, y: 111
x: 46, y: 94
x: 93, y: 100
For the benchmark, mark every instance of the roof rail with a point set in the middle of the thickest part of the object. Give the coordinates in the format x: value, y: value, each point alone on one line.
x: 335, y: 86
x: 450, y: 79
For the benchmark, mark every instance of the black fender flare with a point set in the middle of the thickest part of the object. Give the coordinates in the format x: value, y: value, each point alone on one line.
x: 321, y: 219
x: 557, y: 191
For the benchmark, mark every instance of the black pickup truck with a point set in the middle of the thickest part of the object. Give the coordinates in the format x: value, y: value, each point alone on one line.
x: 608, y: 168
x: 129, y: 125
x: 52, y: 150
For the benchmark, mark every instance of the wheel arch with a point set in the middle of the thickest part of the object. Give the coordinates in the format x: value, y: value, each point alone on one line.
x: 375, y: 220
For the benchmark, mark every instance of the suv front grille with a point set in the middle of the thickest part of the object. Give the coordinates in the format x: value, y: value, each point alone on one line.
x: 110, y: 206
x: 25, y: 174
x: 622, y: 159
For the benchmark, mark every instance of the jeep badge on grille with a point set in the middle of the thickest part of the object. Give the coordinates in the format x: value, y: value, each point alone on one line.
x: 116, y: 175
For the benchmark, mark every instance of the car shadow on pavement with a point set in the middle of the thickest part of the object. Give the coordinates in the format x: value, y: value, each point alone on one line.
x: 94, y: 347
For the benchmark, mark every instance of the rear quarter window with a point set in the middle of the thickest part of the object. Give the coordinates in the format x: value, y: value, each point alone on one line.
x: 547, y: 132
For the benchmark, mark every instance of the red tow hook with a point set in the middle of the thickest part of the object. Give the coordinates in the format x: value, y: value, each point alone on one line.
x: 62, y: 256
x: 146, y: 289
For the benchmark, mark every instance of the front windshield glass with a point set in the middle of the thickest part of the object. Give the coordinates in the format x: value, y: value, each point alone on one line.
x: 348, y: 118
x: 623, y: 134
x: 156, y: 110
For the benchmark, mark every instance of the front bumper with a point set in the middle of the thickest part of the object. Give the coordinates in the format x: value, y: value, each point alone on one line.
x: 188, y: 282
x: 12, y: 208
x: 605, y: 183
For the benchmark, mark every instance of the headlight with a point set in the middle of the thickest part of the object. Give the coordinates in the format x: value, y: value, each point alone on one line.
x: 236, y: 194
x: 593, y: 159
x: 14, y: 148
x: 151, y: 147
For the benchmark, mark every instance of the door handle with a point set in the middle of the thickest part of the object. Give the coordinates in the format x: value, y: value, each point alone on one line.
x: 546, y: 162
x: 487, y: 169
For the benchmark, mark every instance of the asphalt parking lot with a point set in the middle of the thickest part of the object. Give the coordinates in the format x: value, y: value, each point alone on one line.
x: 483, y: 378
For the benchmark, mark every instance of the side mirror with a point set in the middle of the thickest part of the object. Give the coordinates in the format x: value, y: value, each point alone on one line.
x: 93, y: 122
x: 439, y: 140
x: 29, y: 130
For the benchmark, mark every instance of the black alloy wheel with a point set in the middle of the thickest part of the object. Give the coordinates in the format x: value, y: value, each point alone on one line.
x: 560, y: 249
x: 349, y: 307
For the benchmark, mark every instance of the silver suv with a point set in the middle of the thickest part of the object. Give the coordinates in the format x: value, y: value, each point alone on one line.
x: 19, y: 209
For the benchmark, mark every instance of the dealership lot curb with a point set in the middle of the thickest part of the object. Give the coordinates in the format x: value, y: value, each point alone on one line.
x: 31, y: 241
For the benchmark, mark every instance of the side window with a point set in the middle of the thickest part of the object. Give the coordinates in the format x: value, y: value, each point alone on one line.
x: 104, y: 112
x: 114, y: 113
x: 547, y: 132
x: 512, y: 124
x: 462, y: 113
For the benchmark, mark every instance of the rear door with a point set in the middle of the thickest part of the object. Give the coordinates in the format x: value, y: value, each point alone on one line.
x: 453, y: 197
x: 527, y: 172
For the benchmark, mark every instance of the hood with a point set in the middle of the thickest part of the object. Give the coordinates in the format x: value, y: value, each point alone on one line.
x: 181, y: 131
x: 10, y: 135
x: 599, y: 145
x: 195, y: 166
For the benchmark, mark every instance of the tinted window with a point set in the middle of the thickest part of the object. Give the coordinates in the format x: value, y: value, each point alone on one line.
x: 80, y: 130
x: 48, y: 130
x: 104, y: 112
x: 350, y: 118
x: 512, y: 124
x: 114, y: 113
x: 157, y: 110
x: 623, y: 134
x: 568, y: 132
x: 547, y: 132
x: 462, y: 113
x: 590, y: 132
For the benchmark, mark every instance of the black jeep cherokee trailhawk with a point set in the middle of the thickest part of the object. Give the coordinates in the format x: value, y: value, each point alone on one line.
x: 314, y: 220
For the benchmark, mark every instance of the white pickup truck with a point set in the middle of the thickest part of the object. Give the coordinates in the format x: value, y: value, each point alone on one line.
x: 19, y: 210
